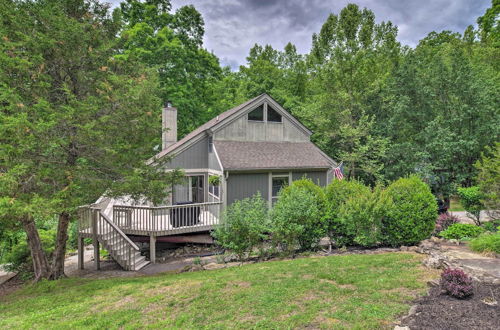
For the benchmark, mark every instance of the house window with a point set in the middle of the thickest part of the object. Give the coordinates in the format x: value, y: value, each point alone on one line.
x: 210, y: 144
x: 257, y: 114
x: 273, y: 115
x: 278, y: 181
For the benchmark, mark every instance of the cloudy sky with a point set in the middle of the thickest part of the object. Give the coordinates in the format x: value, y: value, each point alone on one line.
x: 232, y: 27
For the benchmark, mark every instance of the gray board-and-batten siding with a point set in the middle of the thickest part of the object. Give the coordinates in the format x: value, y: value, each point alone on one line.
x: 244, y: 185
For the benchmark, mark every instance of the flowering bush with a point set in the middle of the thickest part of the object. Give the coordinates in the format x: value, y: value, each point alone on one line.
x: 456, y: 283
x: 444, y: 221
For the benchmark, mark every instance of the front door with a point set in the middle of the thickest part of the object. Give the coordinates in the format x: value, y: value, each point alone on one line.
x: 197, y: 189
x: 190, y: 190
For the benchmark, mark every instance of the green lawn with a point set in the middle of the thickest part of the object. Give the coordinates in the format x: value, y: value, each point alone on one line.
x: 455, y: 205
x: 357, y: 291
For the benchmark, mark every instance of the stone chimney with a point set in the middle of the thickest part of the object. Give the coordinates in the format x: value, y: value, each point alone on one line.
x: 168, y: 125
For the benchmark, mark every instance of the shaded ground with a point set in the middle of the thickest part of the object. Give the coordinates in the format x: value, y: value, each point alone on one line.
x: 440, y: 311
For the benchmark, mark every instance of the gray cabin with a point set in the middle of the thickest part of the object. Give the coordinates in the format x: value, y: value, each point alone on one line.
x: 256, y: 147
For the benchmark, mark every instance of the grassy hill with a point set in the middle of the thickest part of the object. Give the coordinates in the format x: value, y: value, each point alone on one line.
x: 361, y: 291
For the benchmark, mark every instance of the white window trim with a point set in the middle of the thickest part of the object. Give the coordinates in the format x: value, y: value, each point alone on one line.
x: 270, y: 184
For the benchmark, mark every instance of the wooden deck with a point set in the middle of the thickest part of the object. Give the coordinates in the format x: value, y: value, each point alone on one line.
x: 110, y: 226
x: 161, y: 221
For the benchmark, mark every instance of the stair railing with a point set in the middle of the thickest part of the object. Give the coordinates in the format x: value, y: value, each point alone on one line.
x: 112, y: 237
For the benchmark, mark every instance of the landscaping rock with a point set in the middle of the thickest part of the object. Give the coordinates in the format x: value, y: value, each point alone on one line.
x: 213, y: 265
x: 397, y: 327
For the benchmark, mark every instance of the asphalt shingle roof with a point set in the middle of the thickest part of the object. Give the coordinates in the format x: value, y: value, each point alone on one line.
x: 235, y: 155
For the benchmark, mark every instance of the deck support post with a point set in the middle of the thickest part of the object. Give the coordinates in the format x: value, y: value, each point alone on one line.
x: 81, y: 252
x: 152, y: 249
x: 95, y: 241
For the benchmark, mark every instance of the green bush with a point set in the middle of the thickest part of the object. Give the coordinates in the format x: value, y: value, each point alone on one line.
x: 361, y: 218
x: 412, y: 215
x: 243, y: 226
x: 309, y: 186
x: 461, y: 231
x: 297, y: 218
x: 470, y: 198
x: 18, y: 259
x: 493, y: 225
x: 337, y: 193
x: 487, y: 242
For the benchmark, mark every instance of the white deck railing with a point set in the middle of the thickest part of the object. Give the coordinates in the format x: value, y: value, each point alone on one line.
x: 166, y: 219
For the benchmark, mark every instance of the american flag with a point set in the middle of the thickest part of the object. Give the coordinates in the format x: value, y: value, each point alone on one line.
x: 338, y: 171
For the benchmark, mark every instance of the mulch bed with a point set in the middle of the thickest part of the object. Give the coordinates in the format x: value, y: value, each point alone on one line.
x: 440, y: 311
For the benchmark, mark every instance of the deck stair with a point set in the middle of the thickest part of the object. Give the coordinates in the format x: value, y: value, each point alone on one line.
x: 96, y: 225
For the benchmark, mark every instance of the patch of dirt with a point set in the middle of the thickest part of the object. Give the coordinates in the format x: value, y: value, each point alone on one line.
x: 342, y: 286
x: 10, y: 286
x: 440, y: 311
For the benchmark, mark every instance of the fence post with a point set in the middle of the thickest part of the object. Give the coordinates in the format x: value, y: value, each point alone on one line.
x: 95, y: 240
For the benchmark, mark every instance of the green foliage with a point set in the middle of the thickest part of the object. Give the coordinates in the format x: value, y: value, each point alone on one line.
x: 243, y: 226
x: 337, y: 193
x: 298, y: 217
x: 361, y: 218
x: 412, y: 216
x: 309, y: 186
x: 489, y: 177
x: 487, y: 242
x: 214, y: 180
x: 18, y: 259
x: 492, y: 225
x: 461, y: 231
x: 471, y: 200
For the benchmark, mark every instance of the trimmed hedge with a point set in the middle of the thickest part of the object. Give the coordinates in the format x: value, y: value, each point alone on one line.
x: 298, y: 217
x: 337, y: 193
x: 361, y: 217
x: 412, y: 216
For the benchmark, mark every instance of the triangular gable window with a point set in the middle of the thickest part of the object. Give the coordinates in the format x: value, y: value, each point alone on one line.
x: 257, y: 114
x: 273, y: 115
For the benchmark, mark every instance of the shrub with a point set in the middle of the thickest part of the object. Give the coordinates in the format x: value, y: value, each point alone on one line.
x: 337, y: 193
x: 461, y: 231
x: 361, y: 217
x: 297, y: 219
x: 456, y: 283
x: 487, y: 242
x: 470, y: 198
x: 243, y: 226
x: 444, y: 221
x: 309, y: 186
x: 412, y: 215
x: 493, y: 225
x: 489, y: 177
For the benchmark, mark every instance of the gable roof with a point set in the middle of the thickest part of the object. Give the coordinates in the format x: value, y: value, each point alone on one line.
x: 236, y: 155
x: 224, y: 119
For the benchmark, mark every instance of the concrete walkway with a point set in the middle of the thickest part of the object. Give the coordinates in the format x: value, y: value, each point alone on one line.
x: 443, y: 254
x: 464, y: 218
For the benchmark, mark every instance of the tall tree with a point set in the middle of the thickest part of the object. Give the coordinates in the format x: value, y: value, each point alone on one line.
x: 76, y: 120
x: 443, y: 110
x: 350, y: 61
x: 171, y: 43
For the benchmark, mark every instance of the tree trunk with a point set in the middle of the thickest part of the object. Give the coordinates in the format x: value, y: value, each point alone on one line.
x: 40, y: 263
x: 60, y: 249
